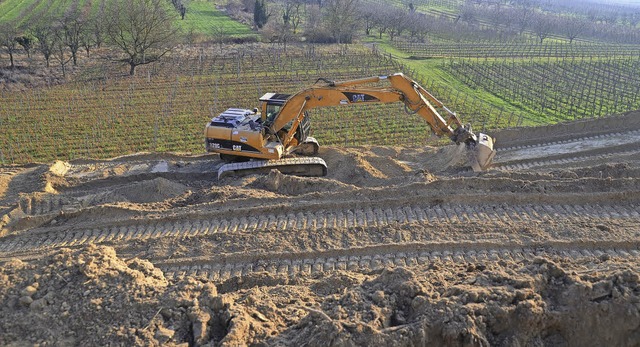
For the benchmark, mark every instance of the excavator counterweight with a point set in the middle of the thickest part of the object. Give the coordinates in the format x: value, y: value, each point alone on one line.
x: 281, y: 126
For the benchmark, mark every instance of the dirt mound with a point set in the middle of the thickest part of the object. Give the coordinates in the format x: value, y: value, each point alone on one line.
x: 539, y: 303
x: 567, y: 130
x: 292, y: 185
x: 59, y: 168
x: 85, y: 297
x: 158, y: 189
x: 452, y: 158
x: 217, y: 195
x: 619, y: 170
x: 380, y: 165
x: 92, y: 297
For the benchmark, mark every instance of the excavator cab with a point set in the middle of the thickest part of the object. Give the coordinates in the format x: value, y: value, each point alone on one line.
x: 271, y: 103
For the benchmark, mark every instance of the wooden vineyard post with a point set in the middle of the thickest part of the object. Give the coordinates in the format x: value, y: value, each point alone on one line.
x: 473, y: 108
x: 509, y: 120
x: 497, y: 124
x: 484, y: 117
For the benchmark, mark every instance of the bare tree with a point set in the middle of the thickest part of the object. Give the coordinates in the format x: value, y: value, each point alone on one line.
x: 524, y: 14
x: 97, y: 26
x: 367, y: 16
x: 312, y: 24
x: 543, y: 25
x: 26, y: 41
x: 573, y: 27
x: 220, y: 35
x: 418, y: 26
x: 44, y: 32
x: 397, y: 22
x: 72, y: 25
x: 8, y: 34
x: 467, y: 13
x: 247, y: 5
x: 278, y: 32
x: 292, y: 14
x: 506, y: 17
x: 381, y: 13
x: 87, y: 40
x: 341, y: 18
x: 59, y: 50
x: 142, y: 29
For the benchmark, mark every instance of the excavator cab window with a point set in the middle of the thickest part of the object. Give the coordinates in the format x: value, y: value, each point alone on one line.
x: 272, y: 111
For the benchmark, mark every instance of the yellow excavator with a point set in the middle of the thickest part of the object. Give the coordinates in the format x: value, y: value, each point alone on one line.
x: 280, y: 128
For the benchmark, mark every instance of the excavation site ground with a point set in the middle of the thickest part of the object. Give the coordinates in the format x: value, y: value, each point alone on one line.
x: 396, y: 246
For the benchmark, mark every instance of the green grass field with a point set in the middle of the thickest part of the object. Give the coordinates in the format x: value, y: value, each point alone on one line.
x: 13, y: 9
x: 205, y: 21
x: 202, y: 20
x: 21, y: 11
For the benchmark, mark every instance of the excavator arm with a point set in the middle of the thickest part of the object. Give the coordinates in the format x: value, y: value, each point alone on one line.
x: 401, y: 89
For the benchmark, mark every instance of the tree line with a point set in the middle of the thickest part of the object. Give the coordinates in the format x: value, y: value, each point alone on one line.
x: 140, y: 31
x: 342, y: 21
x: 544, y: 19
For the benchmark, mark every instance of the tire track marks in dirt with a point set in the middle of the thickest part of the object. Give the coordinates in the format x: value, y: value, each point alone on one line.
x: 554, y: 153
x: 388, y: 256
x: 489, y: 215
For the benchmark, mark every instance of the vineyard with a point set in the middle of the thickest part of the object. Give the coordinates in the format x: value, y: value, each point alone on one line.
x: 494, y: 49
x: 21, y: 12
x: 488, y: 83
x: 558, y: 90
x: 544, y: 82
x: 425, y: 4
x: 167, y: 105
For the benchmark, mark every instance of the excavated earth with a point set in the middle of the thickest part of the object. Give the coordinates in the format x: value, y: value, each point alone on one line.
x: 396, y: 246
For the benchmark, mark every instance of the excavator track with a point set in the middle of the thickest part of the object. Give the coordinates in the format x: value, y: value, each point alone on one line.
x: 312, y: 166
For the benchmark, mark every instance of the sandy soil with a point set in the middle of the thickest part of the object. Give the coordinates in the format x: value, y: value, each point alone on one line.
x: 396, y: 246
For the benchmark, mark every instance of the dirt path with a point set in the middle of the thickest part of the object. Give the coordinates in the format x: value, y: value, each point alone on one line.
x: 345, y: 257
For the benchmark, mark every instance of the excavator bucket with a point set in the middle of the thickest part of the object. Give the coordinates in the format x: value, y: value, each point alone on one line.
x: 482, y: 154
